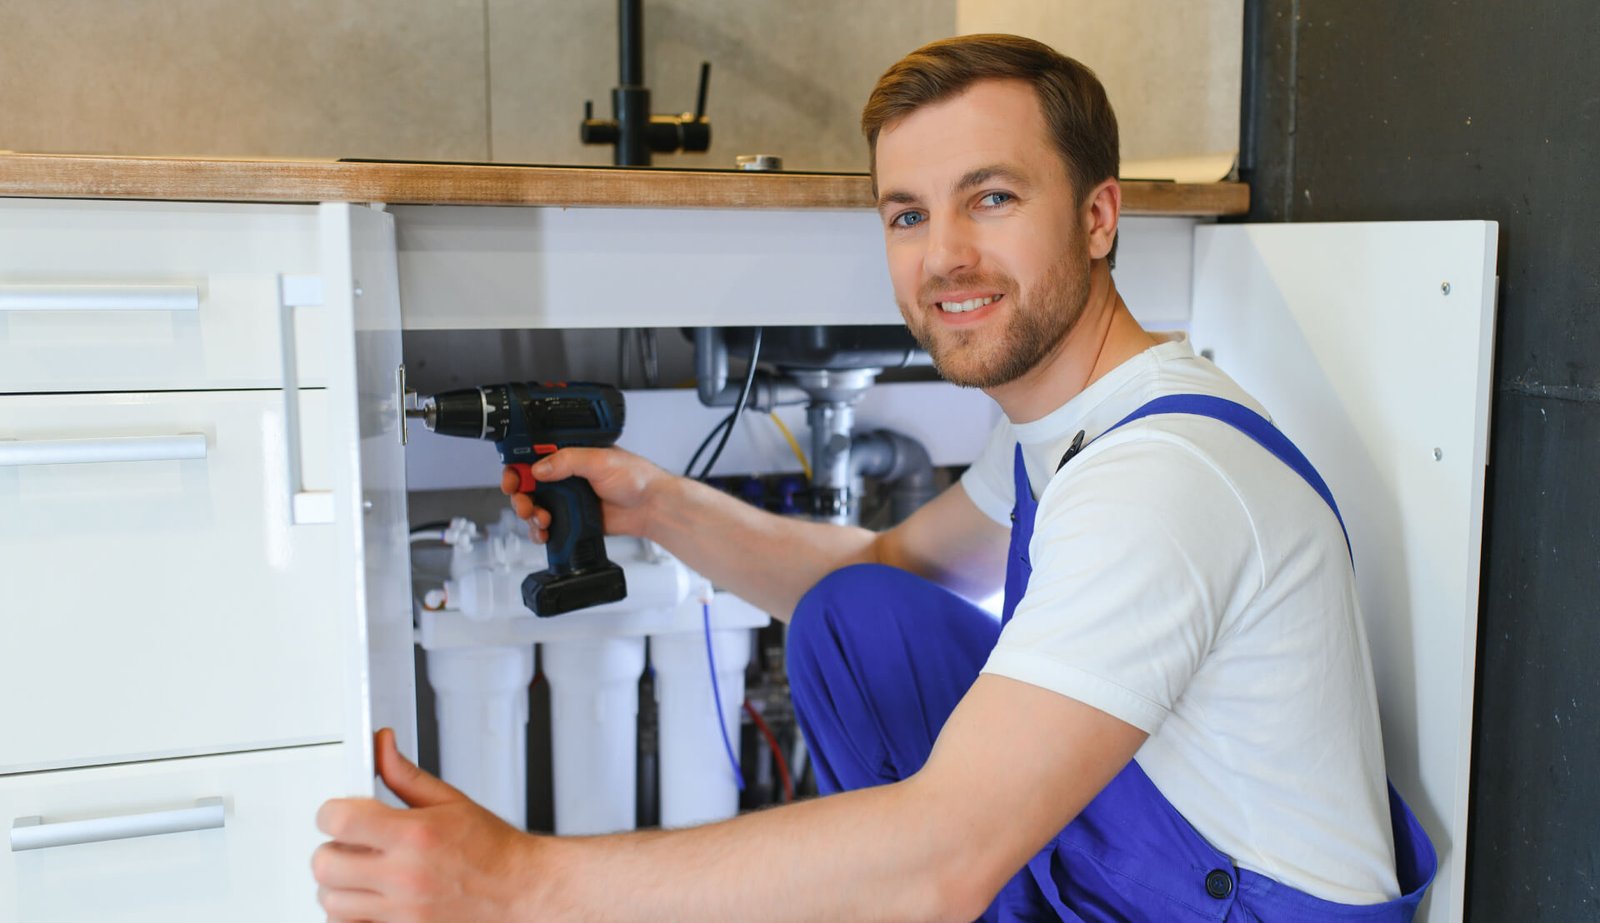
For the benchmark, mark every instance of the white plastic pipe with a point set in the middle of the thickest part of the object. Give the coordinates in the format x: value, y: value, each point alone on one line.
x: 697, y: 780
x: 481, y: 700
x: 594, y: 710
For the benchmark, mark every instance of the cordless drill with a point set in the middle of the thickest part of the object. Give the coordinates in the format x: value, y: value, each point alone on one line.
x: 527, y: 421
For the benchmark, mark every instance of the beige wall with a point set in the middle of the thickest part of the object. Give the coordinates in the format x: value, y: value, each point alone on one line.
x: 288, y: 78
x: 497, y: 80
x: 505, y: 80
x: 1172, y: 69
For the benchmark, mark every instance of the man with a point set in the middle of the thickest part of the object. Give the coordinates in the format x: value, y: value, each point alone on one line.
x: 1177, y: 720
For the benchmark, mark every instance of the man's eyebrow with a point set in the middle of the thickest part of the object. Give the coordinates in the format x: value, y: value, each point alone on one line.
x: 896, y: 197
x: 983, y: 175
x: 969, y: 180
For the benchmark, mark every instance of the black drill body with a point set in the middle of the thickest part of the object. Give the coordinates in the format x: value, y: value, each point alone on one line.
x: 527, y: 421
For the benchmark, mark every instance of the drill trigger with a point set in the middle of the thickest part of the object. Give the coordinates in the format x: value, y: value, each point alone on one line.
x: 526, y: 483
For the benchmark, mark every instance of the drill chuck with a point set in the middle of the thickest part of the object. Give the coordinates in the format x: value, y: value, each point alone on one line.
x: 457, y: 413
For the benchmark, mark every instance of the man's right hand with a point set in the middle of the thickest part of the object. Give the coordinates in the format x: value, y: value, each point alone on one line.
x: 624, y: 482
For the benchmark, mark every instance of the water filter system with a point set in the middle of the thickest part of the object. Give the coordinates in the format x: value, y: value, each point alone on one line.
x: 480, y: 640
x: 480, y: 629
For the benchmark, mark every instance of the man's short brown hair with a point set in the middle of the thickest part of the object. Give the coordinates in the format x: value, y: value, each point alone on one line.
x: 1076, y: 110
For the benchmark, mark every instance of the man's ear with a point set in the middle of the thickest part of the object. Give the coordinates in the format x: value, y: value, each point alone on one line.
x: 1100, y: 214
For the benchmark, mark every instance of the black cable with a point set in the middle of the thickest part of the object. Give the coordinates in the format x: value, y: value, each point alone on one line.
x: 727, y: 421
x: 738, y: 408
x: 622, y: 359
x: 649, y: 358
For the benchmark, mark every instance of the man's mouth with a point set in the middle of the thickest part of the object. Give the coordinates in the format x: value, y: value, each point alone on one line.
x: 970, y: 304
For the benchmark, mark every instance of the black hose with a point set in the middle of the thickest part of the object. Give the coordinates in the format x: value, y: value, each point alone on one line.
x: 738, y: 408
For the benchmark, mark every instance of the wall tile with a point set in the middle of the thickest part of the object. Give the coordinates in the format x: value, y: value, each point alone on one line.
x: 505, y: 80
x: 301, y: 78
x: 1172, y: 70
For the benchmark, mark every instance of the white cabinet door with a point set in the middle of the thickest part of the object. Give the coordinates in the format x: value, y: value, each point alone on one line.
x: 245, y: 859
x: 361, y: 303
x: 1371, y: 345
x: 157, y: 600
x: 190, y: 567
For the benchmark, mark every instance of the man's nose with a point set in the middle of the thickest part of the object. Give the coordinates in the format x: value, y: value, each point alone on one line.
x: 952, y: 247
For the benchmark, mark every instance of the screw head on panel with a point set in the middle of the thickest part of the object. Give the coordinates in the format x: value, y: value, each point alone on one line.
x: 1444, y: 287
x: 1438, y: 455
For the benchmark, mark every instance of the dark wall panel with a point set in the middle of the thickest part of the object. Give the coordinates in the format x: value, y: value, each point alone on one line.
x: 1374, y: 110
x: 1536, y: 823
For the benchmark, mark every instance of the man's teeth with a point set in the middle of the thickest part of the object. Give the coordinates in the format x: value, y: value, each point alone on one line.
x: 971, y: 304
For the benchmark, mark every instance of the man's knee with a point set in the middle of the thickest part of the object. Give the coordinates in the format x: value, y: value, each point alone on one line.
x: 844, y: 600
x: 824, y: 609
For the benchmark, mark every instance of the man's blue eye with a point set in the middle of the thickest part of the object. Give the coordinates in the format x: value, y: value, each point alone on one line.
x: 907, y: 219
x: 996, y: 198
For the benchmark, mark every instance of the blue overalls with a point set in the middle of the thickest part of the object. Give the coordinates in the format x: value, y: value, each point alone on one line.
x: 878, y: 659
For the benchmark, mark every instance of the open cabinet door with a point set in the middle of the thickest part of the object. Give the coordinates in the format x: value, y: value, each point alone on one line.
x: 1371, y: 346
x: 361, y: 291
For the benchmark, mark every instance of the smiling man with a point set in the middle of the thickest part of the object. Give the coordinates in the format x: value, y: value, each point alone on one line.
x: 1174, y: 719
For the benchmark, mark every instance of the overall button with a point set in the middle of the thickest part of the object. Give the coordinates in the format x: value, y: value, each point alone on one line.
x: 1218, y: 884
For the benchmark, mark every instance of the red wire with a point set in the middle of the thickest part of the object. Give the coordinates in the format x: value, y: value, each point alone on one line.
x: 777, y: 752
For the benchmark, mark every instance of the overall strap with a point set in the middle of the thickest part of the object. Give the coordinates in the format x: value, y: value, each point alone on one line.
x: 1250, y: 423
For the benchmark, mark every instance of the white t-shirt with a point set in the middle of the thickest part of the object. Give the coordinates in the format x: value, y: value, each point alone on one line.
x: 1191, y: 584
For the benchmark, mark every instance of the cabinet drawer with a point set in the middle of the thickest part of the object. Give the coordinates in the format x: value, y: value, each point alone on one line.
x: 157, y: 608
x: 130, y: 296
x: 255, y: 866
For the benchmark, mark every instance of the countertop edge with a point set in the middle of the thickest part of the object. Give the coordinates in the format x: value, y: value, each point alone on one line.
x: 286, y: 181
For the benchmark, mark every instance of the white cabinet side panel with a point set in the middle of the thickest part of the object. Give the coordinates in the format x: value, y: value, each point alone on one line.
x: 1371, y: 346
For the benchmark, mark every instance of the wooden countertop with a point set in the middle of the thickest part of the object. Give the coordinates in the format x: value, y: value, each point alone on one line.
x: 192, y: 179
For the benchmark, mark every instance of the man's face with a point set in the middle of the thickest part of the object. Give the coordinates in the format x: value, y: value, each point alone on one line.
x: 989, y: 265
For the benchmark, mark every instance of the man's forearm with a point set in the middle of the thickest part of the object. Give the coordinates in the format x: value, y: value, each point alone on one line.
x: 873, y: 854
x: 767, y: 559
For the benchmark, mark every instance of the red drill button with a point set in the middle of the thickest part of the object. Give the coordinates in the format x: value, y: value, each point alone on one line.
x: 543, y: 449
x: 526, y: 483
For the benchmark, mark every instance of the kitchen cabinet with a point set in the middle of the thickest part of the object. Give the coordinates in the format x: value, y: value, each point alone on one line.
x: 1370, y: 343
x: 203, y: 545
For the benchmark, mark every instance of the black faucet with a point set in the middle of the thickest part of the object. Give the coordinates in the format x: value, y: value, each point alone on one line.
x: 633, y: 130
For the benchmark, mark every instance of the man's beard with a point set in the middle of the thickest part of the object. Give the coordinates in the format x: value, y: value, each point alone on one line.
x: 1035, y: 326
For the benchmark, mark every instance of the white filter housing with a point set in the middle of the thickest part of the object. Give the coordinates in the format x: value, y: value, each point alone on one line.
x: 697, y: 780
x: 481, y: 701
x: 594, y: 711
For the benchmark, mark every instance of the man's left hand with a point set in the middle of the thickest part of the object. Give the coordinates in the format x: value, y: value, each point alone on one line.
x: 446, y: 859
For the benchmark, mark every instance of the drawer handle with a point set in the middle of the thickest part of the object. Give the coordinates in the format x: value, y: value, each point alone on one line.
x: 108, y: 449
x: 305, y: 506
x: 34, y: 833
x: 99, y: 298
